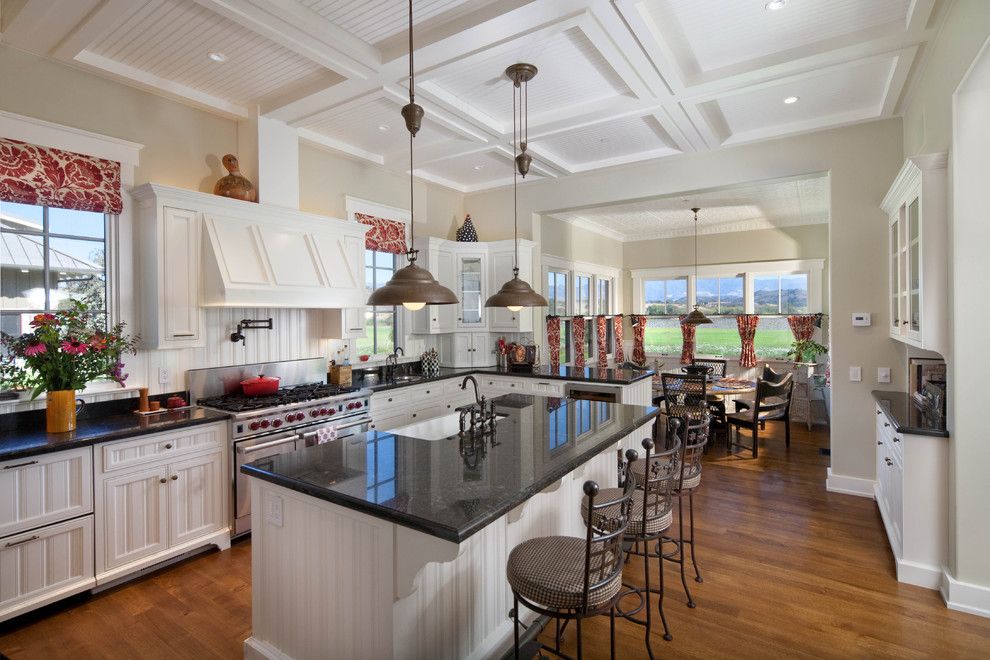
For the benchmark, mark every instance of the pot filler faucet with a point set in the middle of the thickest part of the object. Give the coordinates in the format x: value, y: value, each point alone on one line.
x: 481, y: 416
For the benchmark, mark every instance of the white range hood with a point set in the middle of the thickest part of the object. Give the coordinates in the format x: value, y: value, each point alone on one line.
x: 256, y: 255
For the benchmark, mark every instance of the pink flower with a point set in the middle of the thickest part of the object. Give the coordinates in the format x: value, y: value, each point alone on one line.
x: 75, y: 347
x: 35, y: 349
x: 42, y: 320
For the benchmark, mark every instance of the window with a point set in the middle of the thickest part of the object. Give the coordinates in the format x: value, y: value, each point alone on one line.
x: 664, y: 297
x: 557, y: 294
x: 565, y: 341
x: 780, y: 293
x: 589, y: 338
x: 720, y: 338
x: 773, y: 338
x: 50, y: 255
x: 380, y: 467
x: 663, y: 335
x: 380, y: 323
x: 720, y: 295
x: 557, y: 427
x: 603, y: 300
x: 582, y: 295
x: 582, y: 416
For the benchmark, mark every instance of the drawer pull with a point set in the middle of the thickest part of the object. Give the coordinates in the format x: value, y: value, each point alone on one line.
x: 163, y: 480
x: 168, y: 445
x: 22, y: 541
x: 17, y: 465
x: 888, y: 461
x: 885, y: 424
x: 896, y: 439
x: 175, y: 477
x: 184, y: 334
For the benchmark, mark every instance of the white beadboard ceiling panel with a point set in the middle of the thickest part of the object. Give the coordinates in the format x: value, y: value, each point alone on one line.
x: 609, y: 140
x: 762, y: 205
x: 711, y: 35
x: 374, y: 21
x: 172, y: 40
x: 838, y: 91
x: 479, y: 169
x: 571, y: 72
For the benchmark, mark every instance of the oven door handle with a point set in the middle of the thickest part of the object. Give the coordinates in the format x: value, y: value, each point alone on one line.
x: 267, y: 445
x: 364, y: 420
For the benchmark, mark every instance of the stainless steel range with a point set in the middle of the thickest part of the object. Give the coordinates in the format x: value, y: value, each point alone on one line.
x: 305, y: 411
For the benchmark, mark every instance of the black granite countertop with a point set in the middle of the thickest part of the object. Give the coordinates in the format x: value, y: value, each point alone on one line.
x: 30, y: 438
x: 450, y: 488
x: 907, y: 417
x: 588, y: 374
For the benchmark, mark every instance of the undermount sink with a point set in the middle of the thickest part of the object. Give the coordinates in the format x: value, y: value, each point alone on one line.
x: 438, y: 428
x: 404, y: 379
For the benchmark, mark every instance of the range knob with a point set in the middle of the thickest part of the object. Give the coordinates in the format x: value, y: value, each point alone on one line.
x: 357, y: 404
x: 324, y: 411
x: 254, y: 426
x: 350, y: 406
x: 314, y: 413
x: 265, y: 423
x: 333, y: 411
x: 291, y: 417
x: 276, y: 423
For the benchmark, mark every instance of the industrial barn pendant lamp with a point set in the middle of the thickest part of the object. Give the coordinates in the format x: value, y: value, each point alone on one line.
x: 516, y: 293
x: 696, y: 317
x: 412, y: 287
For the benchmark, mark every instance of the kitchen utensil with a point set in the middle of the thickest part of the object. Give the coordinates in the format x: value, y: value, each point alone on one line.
x: 260, y: 385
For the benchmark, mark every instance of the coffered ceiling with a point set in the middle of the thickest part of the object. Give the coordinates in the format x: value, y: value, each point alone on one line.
x: 620, y: 81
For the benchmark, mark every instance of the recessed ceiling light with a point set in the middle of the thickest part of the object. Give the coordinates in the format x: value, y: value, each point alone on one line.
x: 383, y: 127
x: 479, y: 167
x: 217, y: 56
x: 792, y: 99
x: 775, y: 5
x: 25, y: 270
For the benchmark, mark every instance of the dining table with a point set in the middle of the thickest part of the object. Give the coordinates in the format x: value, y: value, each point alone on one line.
x: 724, y: 386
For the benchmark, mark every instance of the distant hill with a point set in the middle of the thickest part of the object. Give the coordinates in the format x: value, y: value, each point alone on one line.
x: 764, y: 301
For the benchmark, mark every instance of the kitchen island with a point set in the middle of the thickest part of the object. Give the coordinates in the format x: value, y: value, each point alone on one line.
x: 394, y: 545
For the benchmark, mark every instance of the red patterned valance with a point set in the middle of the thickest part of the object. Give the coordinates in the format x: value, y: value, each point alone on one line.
x: 44, y: 176
x: 802, y: 325
x: 618, y: 351
x: 385, y: 235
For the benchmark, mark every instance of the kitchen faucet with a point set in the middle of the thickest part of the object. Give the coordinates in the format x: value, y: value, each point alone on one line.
x: 479, y: 416
x: 392, y: 362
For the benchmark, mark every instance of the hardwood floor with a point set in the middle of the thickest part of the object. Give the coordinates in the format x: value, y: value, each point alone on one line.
x: 790, y: 571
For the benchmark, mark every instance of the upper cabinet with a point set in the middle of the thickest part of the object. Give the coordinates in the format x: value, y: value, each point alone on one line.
x: 917, y: 253
x: 501, y: 260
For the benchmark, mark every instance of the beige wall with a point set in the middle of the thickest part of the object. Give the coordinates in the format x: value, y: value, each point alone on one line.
x: 566, y: 241
x: 862, y: 160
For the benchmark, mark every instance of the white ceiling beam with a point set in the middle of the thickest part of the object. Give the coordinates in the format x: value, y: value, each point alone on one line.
x: 918, y: 15
x: 616, y: 57
x: 437, y: 114
x: 458, y: 106
x: 805, y: 126
x: 38, y: 25
x: 894, y: 91
x: 321, y: 140
x: 636, y: 17
x: 99, y: 22
x: 323, y: 104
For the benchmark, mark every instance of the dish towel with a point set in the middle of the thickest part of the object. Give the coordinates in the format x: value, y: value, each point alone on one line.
x: 325, y: 435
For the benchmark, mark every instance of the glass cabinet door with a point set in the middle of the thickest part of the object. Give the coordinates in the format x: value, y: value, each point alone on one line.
x: 470, y: 273
x: 895, y: 298
x: 914, y: 265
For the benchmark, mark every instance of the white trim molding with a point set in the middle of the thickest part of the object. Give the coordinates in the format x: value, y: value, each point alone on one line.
x: 840, y: 483
x: 47, y: 134
x: 964, y: 596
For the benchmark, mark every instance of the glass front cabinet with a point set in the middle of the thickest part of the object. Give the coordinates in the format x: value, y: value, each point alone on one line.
x: 917, y: 268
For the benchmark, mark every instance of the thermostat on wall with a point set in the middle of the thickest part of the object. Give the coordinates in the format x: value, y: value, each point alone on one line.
x: 861, y: 318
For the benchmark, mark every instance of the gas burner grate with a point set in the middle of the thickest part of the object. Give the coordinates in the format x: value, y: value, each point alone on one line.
x: 284, y: 397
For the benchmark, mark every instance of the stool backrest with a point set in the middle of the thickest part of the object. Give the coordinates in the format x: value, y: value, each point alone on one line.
x: 661, y: 476
x: 685, y: 394
x: 717, y: 367
x: 692, y: 435
x: 607, y: 523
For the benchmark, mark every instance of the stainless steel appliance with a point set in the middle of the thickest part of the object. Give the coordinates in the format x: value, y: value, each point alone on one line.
x: 290, y: 419
x: 594, y: 392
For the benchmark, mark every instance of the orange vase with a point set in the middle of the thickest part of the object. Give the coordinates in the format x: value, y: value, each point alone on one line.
x: 61, y: 411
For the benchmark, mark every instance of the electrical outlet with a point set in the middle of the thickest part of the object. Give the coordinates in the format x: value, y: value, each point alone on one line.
x: 855, y: 374
x: 164, y: 376
x: 883, y: 374
x: 273, y: 510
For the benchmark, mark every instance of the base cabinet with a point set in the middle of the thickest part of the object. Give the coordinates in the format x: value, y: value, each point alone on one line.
x: 133, y: 515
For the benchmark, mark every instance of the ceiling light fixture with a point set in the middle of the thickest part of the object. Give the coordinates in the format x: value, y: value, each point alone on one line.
x: 775, y: 5
x: 383, y: 127
x: 412, y: 287
x: 217, y: 56
x: 516, y: 293
x: 696, y: 317
x: 479, y: 167
x: 792, y: 99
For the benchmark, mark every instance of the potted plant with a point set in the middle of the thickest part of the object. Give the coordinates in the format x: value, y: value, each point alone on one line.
x: 65, y: 351
x: 805, y: 351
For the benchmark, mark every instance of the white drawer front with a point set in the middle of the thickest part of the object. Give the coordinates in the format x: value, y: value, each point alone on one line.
x: 426, y: 392
x: 547, y: 388
x: 390, y: 398
x: 43, y: 489
x: 127, y: 453
x: 45, y: 564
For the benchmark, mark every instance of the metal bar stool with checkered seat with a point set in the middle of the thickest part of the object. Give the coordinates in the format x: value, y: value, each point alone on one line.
x: 692, y: 435
x: 572, y: 578
x: 656, y: 477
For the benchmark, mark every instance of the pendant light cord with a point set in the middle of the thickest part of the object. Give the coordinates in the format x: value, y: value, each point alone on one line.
x: 412, y: 99
x: 515, y: 175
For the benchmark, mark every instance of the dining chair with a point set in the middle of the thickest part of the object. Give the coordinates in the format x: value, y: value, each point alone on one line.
x: 772, y: 402
x: 685, y: 395
x: 745, y: 403
x: 716, y: 403
x: 717, y: 367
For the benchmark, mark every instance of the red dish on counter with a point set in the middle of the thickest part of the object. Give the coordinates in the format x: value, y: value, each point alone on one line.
x: 260, y: 386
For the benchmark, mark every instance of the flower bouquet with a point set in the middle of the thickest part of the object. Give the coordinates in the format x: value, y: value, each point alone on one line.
x: 65, y: 351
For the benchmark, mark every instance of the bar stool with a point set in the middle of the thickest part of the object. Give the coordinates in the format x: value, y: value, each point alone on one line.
x: 692, y: 435
x: 572, y: 578
x: 651, y: 516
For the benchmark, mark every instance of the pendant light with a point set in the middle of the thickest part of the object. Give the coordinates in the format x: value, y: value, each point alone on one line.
x: 696, y: 317
x: 412, y: 287
x: 516, y: 293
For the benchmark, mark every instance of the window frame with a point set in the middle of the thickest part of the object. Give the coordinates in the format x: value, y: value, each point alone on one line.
x: 572, y: 270
x: 551, y: 293
x: 374, y: 310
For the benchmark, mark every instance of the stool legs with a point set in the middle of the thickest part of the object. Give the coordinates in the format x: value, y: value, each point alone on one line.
x: 697, y: 573
x: 515, y: 628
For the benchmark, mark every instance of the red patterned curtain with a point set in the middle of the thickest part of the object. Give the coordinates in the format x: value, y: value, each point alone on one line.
x: 802, y: 325
x: 618, y: 351
x: 747, y: 332
x: 577, y: 334
x: 385, y: 235
x: 553, y: 340
x: 45, y: 176
x: 687, y: 333
x: 602, y: 324
x: 639, y: 334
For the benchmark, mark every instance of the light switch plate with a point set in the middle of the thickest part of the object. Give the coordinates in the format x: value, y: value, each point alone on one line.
x: 883, y: 374
x: 855, y: 374
x: 164, y: 376
x: 273, y: 510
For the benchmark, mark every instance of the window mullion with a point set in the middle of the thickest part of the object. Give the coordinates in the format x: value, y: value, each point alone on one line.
x: 46, y: 266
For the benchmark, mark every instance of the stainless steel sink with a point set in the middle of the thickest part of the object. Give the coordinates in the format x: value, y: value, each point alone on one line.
x: 405, y: 379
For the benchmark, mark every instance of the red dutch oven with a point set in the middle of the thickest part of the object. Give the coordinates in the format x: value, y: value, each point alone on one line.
x: 260, y: 386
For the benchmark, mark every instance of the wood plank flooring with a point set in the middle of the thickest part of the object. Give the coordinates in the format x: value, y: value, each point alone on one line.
x: 790, y: 571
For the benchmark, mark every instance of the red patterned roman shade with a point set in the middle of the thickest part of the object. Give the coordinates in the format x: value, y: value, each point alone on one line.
x: 602, y: 324
x: 385, y: 235
x: 45, y: 176
x: 618, y: 351
x: 577, y: 337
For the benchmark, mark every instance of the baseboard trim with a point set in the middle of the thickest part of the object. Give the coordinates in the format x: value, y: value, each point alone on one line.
x: 256, y: 649
x: 839, y: 483
x: 964, y: 596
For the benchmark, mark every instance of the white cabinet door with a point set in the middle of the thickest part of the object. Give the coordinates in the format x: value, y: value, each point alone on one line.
x: 181, y: 317
x: 472, y: 290
x: 133, y: 517
x: 44, y: 565
x: 44, y: 489
x: 428, y: 410
x: 462, y: 350
x: 345, y: 323
x: 389, y: 420
x: 482, y: 350
x: 195, y: 498
x: 443, y: 315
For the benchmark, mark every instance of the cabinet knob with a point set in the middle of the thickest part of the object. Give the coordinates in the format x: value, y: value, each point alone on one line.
x: 390, y: 399
x: 163, y: 480
x: 896, y: 439
x: 371, y: 426
x: 414, y: 414
x: 168, y: 445
x: 879, y: 442
x: 886, y: 424
x: 879, y: 412
x: 904, y: 322
x: 175, y: 477
x: 888, y: 461
x: 434, y: 320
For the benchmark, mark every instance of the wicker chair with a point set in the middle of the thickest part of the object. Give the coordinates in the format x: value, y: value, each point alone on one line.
x: 572, y: 578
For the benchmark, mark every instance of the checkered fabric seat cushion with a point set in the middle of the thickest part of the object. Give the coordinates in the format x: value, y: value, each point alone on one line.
x: 692, y: 478
x: 654, y: 523
x: 549, y: 571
